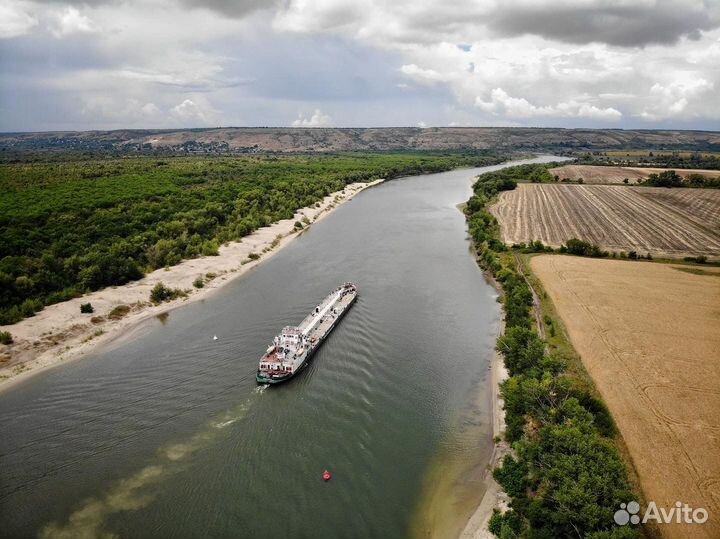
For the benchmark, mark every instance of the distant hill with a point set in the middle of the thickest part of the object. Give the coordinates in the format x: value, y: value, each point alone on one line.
x: 286, y: 139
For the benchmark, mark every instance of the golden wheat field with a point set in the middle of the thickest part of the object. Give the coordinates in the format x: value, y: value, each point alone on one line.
x: 664, y: 222
x: 649, y: 336
x: 592, y: 174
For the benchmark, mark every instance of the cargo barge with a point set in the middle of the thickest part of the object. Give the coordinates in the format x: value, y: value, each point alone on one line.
x: 291, y: 350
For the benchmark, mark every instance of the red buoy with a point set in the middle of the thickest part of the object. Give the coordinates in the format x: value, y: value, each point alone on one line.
x: 326, y: 476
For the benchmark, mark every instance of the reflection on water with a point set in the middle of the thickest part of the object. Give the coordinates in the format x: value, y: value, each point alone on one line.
x: 168, y: 435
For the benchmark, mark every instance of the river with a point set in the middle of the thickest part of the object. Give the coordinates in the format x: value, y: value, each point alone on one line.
x: 168, y: 435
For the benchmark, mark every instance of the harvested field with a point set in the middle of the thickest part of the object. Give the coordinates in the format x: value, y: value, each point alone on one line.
x: 603, y: 175
x: 664, y: 222
x: 649, y: 336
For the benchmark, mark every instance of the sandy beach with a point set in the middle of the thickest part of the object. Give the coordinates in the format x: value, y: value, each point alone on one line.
x: 60, y: 333
x: 494, y: 497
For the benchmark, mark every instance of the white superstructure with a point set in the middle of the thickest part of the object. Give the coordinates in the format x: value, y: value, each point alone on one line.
x: 291, y: 349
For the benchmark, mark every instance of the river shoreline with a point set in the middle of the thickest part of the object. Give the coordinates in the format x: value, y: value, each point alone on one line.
x: 60, y: 333
x: 494, y: 497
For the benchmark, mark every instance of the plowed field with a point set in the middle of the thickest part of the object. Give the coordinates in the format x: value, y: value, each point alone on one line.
x: 603, y: 175
x: 664, y: 222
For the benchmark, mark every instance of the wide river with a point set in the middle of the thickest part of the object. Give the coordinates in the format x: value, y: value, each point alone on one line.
x: 167, y: 434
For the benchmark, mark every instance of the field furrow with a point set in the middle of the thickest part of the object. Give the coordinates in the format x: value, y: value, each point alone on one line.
x: 665, y: 222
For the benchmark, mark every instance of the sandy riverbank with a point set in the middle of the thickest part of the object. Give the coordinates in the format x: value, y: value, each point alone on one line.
x: 60, y: 333
x: 494, y: 497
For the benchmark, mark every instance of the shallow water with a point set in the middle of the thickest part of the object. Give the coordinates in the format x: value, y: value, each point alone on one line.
x: 168, y: 435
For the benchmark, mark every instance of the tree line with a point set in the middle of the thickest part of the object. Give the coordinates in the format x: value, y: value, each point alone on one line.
x: 72, y: 226
x: 565, y: 478
x: 670, y: 178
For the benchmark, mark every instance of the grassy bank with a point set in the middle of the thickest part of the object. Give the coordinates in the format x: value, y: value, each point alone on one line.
x: 566, y: 478
x: 78, y: 225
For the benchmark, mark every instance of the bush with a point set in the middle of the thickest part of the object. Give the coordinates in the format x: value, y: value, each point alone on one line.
x: 210, y: 248
x: 6, y: 337
x: 667, y: 178
x: 578, y: 247
x: 522, y: 349
x: 86, y: 308
x: 512, y: 476
x: 118, y: 312
x: 199, y: 282
x: 30, y: 306
x: 506, y: 525
x: 161, y: 293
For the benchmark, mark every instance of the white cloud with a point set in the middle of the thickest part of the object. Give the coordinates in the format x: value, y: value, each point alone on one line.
x: 124, y: 111
x: 150, y: 110
x: 71, y: 21
x: 15, y: 19
x: 501, y: 103
x: 423, y: 76
x: 676, y: 98
x: 317, y: 119
x: 473, y: 62
x: 595, y: 60
x: 189, y: 113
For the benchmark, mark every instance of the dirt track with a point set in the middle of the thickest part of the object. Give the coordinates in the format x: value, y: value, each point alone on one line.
x: 649, y: 335
x: 664, y: 222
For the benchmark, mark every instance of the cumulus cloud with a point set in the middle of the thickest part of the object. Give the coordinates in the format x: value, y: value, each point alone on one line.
x: 371, y: 62
x: 426, y: 76
x: 71, y: 21
x: 673, y: 99
x: 599, y: 60
x: 317, y: 119
x: 501, y: 103
x: 15, y: 19
x: 189, y: 113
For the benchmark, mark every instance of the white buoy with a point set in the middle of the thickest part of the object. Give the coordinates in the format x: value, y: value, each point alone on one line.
x: 214, y: 337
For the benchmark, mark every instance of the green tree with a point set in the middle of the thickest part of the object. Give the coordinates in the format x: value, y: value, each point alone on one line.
x: 521, y: 348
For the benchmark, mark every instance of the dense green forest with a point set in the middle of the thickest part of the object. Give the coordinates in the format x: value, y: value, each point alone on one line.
x: 566, y: 478
x: 72, y: 226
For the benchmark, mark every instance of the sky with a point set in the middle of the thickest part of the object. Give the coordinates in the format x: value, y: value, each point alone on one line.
x: 113, y: 64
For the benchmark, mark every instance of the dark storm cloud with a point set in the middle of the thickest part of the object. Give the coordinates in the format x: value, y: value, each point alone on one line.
x: 623, y: 25
x: 228, y: 8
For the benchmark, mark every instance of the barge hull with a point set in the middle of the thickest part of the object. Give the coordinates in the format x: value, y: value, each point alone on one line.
x: 260, y: 378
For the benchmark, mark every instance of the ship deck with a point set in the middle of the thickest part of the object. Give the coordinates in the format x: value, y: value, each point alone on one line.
x: 316, y: 325
x: 331, y: 309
